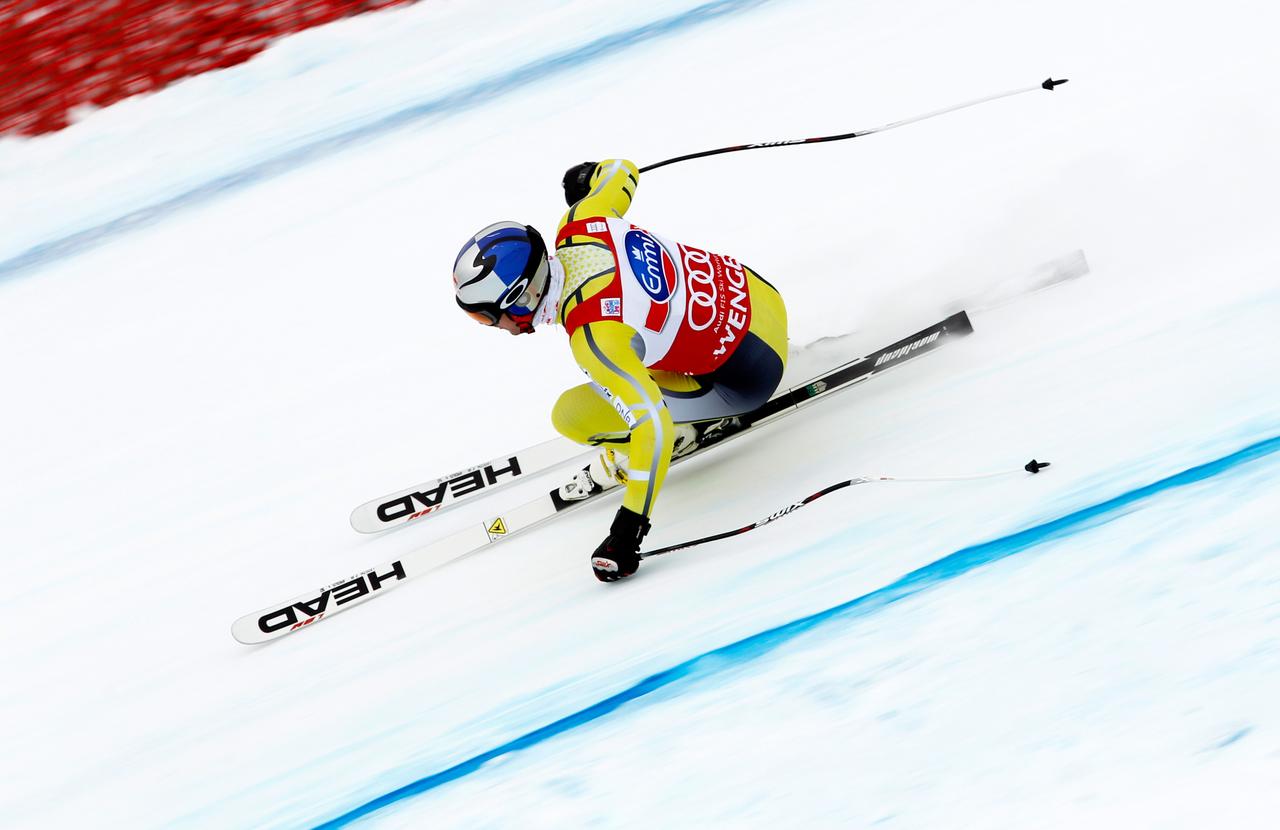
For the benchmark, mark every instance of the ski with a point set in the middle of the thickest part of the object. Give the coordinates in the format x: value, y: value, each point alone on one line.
x: 305, y: 610
x: 434, y: 497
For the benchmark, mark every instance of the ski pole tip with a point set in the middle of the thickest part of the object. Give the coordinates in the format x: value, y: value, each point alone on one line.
x: 1034, y: 466
x: 1050, y: 83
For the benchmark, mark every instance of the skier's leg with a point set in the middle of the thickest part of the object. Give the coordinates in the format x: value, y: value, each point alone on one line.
x: 583, y: 416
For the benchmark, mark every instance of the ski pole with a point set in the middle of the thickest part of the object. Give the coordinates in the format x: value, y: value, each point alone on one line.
x: 1031, y: 466
x: 1048, y: 83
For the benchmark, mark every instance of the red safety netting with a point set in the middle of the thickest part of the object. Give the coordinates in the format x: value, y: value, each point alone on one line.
x: 56, y: 55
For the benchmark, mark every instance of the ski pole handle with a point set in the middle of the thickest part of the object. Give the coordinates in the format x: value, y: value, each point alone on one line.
x: 1048, y: 83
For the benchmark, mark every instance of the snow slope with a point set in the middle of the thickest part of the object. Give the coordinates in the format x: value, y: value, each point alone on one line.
x: 865, y: 724
x: 195, y: 404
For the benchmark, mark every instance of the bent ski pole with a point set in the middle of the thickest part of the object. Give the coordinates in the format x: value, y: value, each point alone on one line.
x: 1048, y: 83
x: 1031, y: 466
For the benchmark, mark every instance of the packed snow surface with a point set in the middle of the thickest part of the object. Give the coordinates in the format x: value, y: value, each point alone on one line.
x: 225, y: 320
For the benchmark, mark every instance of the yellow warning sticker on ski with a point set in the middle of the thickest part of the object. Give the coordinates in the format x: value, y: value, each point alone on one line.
x: 497, y: 527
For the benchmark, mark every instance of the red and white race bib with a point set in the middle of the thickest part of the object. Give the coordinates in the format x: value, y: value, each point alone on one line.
x: 690, y: 307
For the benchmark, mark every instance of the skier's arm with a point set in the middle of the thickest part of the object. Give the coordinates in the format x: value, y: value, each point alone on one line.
x: 613, y: 186
x: 604, y: 350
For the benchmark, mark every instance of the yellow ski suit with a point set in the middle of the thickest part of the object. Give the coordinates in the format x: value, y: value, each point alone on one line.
x: 630, y: 402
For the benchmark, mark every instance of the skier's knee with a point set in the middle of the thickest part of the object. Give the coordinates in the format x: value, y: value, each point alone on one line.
x: 582, y: 416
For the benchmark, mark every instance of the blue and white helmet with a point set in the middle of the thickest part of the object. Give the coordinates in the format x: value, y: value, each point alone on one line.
x: 503, y: 269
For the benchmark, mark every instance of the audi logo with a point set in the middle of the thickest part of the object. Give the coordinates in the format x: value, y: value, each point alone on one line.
x: 702, y: 289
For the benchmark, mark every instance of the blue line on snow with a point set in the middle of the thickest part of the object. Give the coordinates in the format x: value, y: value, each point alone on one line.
x: 1233, y: 737
x: 758, y: 645
x: 448, y: 104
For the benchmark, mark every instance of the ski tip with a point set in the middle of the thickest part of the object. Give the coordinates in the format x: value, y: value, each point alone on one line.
x: 244, y: 635
x: 1034, y: 466
x: 1050, y: 83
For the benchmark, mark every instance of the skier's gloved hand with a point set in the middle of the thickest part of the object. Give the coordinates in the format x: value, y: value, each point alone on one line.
x: 577, y: 182
x: 619, y: 554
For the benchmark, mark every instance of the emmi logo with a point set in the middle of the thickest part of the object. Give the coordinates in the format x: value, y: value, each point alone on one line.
x: 458, y: 486
x: 907, y: 349
x: 340, y: 594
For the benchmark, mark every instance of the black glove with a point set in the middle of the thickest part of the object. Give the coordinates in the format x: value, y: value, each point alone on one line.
x: 577, y: 182
x: 619, y: 554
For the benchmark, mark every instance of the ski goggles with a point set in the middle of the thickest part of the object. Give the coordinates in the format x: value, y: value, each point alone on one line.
x: 484, y: 316
x: 491, y: 316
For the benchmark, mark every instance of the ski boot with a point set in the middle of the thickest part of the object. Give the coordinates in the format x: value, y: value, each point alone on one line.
x: 713, y: 432
x: 606, y: 471
x: 609, y: 469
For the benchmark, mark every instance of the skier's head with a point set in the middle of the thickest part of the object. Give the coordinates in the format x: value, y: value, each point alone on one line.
x: 500, y: 276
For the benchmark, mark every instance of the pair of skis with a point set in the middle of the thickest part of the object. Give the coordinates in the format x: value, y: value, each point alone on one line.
x: 431, y: 498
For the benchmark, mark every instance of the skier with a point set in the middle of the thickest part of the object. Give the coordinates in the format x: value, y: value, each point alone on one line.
x: 677, y: 341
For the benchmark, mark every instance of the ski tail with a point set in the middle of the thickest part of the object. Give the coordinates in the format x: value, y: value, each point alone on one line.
x: 842, y: 377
